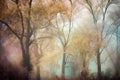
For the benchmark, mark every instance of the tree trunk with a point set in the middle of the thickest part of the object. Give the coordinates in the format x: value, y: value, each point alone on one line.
x: 38, y: 73
x: 28, y: 36
x: 63, y: 66
x: 84, y: 71
x: 98, y: 65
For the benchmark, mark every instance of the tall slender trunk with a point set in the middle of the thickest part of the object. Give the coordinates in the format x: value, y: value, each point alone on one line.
x: 28, y: 63
x: 23, y: 52
x: 98, y: 65
x: 38, y: 73
x: 26, y: 58
x: 98, y: 51
x: 84, y: 71
x: 63, y: 65
x: 28, y: 36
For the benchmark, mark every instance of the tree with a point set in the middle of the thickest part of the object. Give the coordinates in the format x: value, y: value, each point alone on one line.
x: 61, y: 20
x: 84, y: 44
x: 116, y: 19
x: 63, y: 34
x: 24, y: 36
x: 102, y: 7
